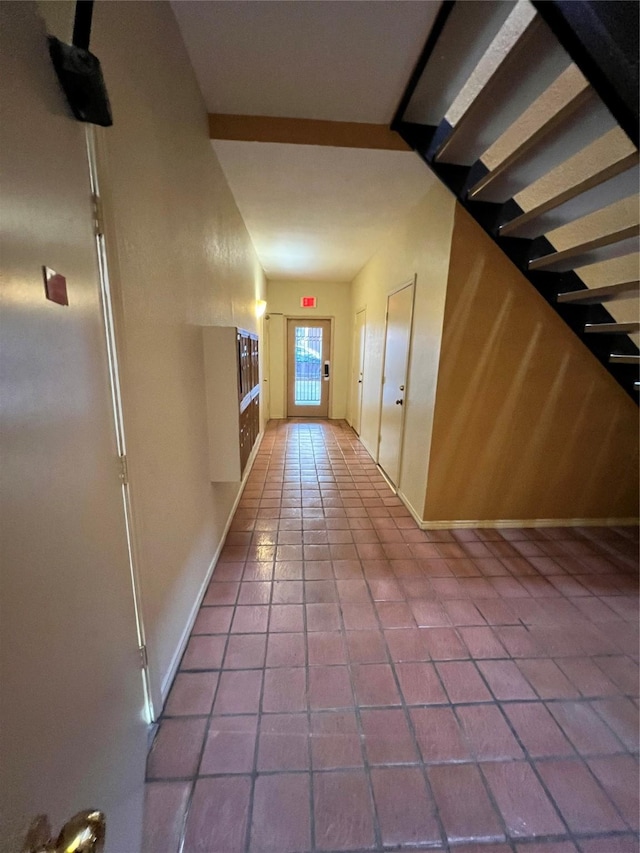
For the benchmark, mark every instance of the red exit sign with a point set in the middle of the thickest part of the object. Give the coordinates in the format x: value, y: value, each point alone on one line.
x: 308, y: 302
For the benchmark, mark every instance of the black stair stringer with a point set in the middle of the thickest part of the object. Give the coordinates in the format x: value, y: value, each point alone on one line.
x: 426, y: 141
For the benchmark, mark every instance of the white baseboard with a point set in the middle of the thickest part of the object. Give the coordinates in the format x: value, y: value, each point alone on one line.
x: 531, y: 522
x: 167, y: 681
x: 455, y: 524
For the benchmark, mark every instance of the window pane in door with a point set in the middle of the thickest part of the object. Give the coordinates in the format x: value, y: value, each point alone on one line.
x: 308, y: 362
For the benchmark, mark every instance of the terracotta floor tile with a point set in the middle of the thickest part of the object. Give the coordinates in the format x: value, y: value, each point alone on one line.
x: 386, y: 590
x: 221, y: 593
x: 366, y: 647
x: 581, y: 801
x: 323, y: 617
x: 286, y: 618
x: 245, y: 651
x: 284, y: 690
x: 238, y: 693
x: 327, y: 579
x: 547, y: 679
x: 439, y: 735
x: 329, y: 687
x: 326, y: 647
x: 395, y: 614
x: 192, y: 693
x: 584, y: 728
x: 284, y: 742
x: 289, y: 570
x: 525, y: 807
x: 462, y: 682
x: 488, y: 732
x: 213, y: 620
x: 217, y: 819
x: 165, y: 804
x: 343, y: 811
x: 537, y: 730
x: 353, y: 591
x: 176, y: 748
x: 335, y: 740
x: 420, y: 684
x: 281, y: 814
x: 618, y: 775
x: 230, y: 745
x: 621, y: 715
x: 204, y: 652
x: 407, y: 644
x: 250, y: 619
x: 286, y: 650
x: 482, y: 642
x: 622, y: 671
x: 254, y: 592
x: 359, y: 617
x: 287, y: 592
x: 445, y: 644
x: 465, y: 809
x: 374, y: 684
x: 587, y: 677
x: 625, y: 844
x: 463, y: 613
x: 405, y: 809
x: 505, y: 680
x: 387, y: 737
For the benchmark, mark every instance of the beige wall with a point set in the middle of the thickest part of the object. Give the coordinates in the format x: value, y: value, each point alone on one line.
x: 182, y: 259
x: 73, y: 732
x: 528, y: 425
x: 418, y: 245
x: 334, y: 300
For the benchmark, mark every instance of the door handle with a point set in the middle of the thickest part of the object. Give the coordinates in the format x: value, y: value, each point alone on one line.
x: 326, y: 370
x: 399, y: 402
x: 83, y: 833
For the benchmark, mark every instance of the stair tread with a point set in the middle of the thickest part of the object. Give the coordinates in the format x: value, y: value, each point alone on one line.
x: 567, y: 92
x: 575, y: 252
x: 609, y: 155
x: 594, y: 295
x: 612, y: 328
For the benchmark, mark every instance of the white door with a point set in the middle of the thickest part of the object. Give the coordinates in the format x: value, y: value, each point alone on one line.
x: 357, y: 378
x: 308, y: 368
x: 394, y: 380
x: 73, y: 732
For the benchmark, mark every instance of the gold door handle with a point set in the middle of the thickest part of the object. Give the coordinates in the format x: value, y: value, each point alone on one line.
x: 83, y: 833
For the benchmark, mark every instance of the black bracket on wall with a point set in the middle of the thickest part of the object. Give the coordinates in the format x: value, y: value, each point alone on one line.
x: 79, y: 71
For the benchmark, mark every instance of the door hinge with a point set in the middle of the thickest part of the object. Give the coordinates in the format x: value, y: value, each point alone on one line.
x: 98, y: 215
x: 144, y: 658
x: 124, y: 470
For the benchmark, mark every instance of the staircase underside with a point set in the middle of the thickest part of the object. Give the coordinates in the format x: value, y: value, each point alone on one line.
x: 531, y: 119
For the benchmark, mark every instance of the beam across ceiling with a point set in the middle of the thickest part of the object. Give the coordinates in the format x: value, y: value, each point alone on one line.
x: 302, y: 131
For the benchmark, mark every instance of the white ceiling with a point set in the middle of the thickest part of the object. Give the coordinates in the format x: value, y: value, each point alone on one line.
x: 313, y: 213
x: 338, y: 60
x: 318, y: 213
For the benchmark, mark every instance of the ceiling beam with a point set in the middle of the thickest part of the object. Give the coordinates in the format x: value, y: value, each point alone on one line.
x: 303, y: 131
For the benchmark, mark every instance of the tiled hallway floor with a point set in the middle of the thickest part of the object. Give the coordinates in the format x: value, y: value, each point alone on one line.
x: 354, y: 683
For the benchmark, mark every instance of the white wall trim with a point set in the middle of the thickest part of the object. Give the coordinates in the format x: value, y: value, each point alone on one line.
x: 456, y: 524
x: 167, y: 681
x: 533, y: 522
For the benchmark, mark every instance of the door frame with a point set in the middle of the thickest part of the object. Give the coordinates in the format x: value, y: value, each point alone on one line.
x: 355, y: 367
x: 409, y: 283
x: 285, y: 354
x: 113, y: 323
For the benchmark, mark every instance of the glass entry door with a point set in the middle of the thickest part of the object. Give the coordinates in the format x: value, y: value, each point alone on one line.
x: 308, y: 368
